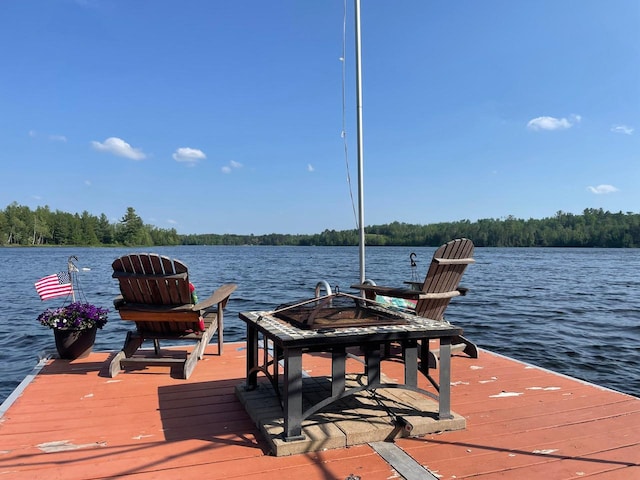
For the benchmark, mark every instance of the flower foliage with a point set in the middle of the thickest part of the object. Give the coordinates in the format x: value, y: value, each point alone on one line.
x: 75, y: 316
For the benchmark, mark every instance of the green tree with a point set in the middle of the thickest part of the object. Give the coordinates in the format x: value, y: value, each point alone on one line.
x: 105, y: 231
x: 131, y: 231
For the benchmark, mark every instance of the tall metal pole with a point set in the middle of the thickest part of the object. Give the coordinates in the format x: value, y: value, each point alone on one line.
x: 360, y: 144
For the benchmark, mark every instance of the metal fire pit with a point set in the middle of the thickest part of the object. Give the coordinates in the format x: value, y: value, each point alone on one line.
x: 336, y: 311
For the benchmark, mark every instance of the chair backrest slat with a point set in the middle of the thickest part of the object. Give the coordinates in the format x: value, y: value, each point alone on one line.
x: 152, y: 279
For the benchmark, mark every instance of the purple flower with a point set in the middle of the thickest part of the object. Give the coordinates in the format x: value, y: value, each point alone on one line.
x: 75, y: 316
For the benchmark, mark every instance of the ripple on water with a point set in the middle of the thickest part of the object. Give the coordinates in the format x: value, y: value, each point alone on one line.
x: 575, y: 311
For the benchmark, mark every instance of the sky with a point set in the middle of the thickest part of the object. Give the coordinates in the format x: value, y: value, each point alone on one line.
x: 239, y: 117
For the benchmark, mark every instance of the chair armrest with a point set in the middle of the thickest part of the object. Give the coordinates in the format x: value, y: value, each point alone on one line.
x: 408, y: 293
x: 454, y: 261
x: 219, y: 296
x: 118, y: 301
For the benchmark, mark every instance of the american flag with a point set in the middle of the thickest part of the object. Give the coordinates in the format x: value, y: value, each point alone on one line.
x: 56, y: 285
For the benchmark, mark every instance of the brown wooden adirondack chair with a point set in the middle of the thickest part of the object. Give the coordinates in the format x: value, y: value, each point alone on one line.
x: 155, y: 294
x: 440, y: 285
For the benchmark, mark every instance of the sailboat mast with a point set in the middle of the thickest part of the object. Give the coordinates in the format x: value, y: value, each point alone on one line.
x: 360, y: 141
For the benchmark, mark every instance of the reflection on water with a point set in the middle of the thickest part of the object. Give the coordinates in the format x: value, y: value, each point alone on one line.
x: 575, y: 311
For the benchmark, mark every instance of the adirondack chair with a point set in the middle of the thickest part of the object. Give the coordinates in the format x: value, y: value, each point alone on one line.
x: 430, y: 298
x: 156, y: 295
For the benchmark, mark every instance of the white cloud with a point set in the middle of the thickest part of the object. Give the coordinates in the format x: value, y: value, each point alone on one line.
x: 119, y: 147
x: 172, y: 222
x: 189, y: 155
x: 552, y: 123
x: 310, y: 167
x: 232, y: 164
x: 602, y: 189
x: 87, y: 183
x: 622, y: 129
x: 53, y: 138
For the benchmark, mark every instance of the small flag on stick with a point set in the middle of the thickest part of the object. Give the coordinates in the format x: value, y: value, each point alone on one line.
x: 56, y: 285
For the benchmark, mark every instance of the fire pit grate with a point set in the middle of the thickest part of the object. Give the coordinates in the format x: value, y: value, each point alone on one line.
x: 336, y: 311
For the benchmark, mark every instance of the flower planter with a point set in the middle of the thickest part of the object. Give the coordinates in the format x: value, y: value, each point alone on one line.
x: 73, y: 344
x: 74, y: 327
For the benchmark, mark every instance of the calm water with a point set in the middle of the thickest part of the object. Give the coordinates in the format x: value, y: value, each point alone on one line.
x: 575, y: 311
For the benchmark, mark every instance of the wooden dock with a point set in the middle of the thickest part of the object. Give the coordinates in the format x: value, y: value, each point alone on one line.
x: 72, y: 422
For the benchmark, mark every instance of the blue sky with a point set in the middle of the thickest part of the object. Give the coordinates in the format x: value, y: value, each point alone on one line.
x: 227, y: 117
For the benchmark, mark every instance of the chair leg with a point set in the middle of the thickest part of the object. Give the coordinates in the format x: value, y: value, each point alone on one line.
x: 190, y: 362
x: 131, y: 344
x: 114, y: 367
x: 135, y: 339
x: 201, y: 346
x: 470, y: 348
x: 220, y: 329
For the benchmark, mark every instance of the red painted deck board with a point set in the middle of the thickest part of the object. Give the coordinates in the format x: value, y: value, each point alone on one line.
x: 72, y: 422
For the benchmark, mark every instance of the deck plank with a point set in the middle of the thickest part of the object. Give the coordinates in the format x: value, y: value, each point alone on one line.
x: 525, y: 422
x: 72, y: 422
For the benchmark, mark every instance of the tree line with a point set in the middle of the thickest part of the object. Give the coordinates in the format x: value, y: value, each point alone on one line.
x: 593, y: 228
x: 19, y: 225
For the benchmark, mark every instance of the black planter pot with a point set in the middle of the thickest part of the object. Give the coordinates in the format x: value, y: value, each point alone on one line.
x: 72, y: 344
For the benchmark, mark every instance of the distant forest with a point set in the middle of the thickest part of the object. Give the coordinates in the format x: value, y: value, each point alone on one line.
x: 21, y: 226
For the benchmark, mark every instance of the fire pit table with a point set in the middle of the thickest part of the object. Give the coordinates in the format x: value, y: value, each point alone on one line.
x: 288, y: 337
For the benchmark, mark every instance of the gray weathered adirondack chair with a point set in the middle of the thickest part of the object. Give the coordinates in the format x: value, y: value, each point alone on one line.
x: 440, y: 285
x: 155, y: 294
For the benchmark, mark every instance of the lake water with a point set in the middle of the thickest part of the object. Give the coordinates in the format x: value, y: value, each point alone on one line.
x: 575, y: 311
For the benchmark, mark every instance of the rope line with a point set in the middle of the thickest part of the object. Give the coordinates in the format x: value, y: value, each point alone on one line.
x: 343, y: 134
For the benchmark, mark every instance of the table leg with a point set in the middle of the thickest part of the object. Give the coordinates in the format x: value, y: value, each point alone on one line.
x: 338, y: 370
x: 252, y: 357
x: 277, y: 353
x: 372, y: 358
x: 424, y: 356
x: 444, y: 411
x: 410, y: 356
x: 293, y: 394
